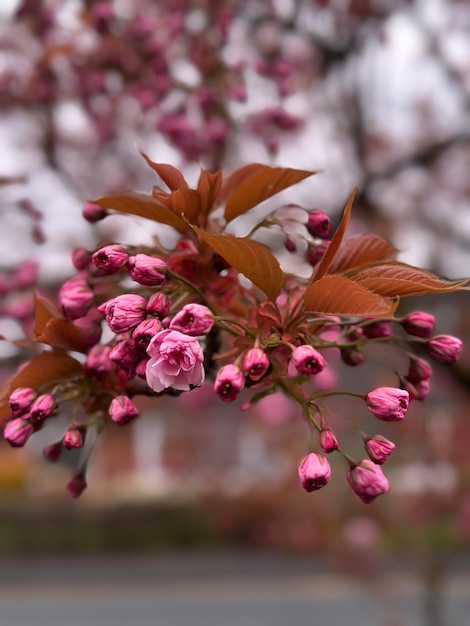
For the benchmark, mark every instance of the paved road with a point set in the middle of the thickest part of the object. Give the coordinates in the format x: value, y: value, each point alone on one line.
x: 208, y: 590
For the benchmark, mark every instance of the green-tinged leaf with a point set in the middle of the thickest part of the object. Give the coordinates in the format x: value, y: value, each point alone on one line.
x: 337, y: 295
x: 169, y: 174
x: 399, y: 279
x: 46, y: 368
x: 142, y: 205
x: 326, y: 261
x: 263, y: 183
x: 361, y: 250
x: 209, y: 186
x: 250, y: 258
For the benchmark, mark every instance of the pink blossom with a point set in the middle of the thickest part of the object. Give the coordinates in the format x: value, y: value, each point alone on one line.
x: 76, y: 485
x: 445, y: 348
x: 229, y: 382
x: 328, y: 440
x: 388, y: 403
x: 90, y: 326
x: 147, y: 270
x: 376, y: 330
x: 352, y: 356
x: 81, y: 258
x: 17, y: 432
x: 124, y: 312
x: 418, y: 324
x: 314, y: 472
x: 367, y: 480
x: 378, y: 448
x: 255, y: 364
x: 43, y: 407
x: 98, y: 360
x: 158, y: 305
x: 176, y: 360
x: 318, y: 224
x: 145, y: 331
x: 122, y: 410
x: 126, y: 356
x: 307, y: 360
x: 53, y: 451
x: 75, y: 297
x: 74, y: 437
x: 193, y: 320
x: 417, y: 390
x: 20, y: 400
x: 418, y: 370
x: 93, y: 213
x: 110, y: 258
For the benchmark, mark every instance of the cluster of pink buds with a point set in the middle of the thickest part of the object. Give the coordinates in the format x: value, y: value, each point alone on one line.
x: 157, y: 321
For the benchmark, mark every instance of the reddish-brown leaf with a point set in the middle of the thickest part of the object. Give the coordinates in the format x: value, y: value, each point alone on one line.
x: 44, y: 369
x: 399, y: 279
x: 142, y: 205
x: 235, y: 179
x: 44, y: 311
x: 250, y: 258
x: 325, y: 262
x: 262, y: 183
x: 209, y: 186
x: 186, y: 202
x: 338, y: 295
x: 361, y: 250
x: 171, y: 176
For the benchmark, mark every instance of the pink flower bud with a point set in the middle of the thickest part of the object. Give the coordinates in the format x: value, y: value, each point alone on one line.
x: 315, y: 252
x: 307, y: 360
x: 145, y: 331
x: 290, y: 244
x: 81, y: 258
x: 388, y: 403
x: 419, y: 370
x: 110, y: 258
x: 378, y: 448
x: 318, y: 224
x: 17, y: 432
x: 20, y: 400
x: 193, y: 320
x: 90, y: 326
x: 417, y: 390
x: 93, y: 213
x: 98, y: 360
x: 75, y: 298
x: 122, y: 410
x: 147, y: 270
x: 76, y: 485
x: 158, y: 305
x: 124, y: 312
x: 53, y: 451
x: 418, y: 324
x: 367, y: 480
x: 378, y: 329
x: 314, y: 472
x: 229, y: 382
x: 43, y: 407
x: 25, y: 275
x: 125, y: 355
x: 255, y: 364
x: 445, y: 348
x: 352, y: 357
x: 328, y: 440
x: 176, y: 361
x: 74, y: 437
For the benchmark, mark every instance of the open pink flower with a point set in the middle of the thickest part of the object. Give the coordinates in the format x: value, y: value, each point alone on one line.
x: 176, y: 360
